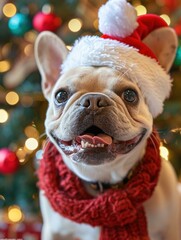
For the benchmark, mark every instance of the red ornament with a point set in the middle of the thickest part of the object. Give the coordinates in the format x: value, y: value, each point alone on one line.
x: 9, y: 162
x: 46, y: 22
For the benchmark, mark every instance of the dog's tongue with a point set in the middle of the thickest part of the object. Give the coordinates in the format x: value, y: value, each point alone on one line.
x: 98, y: 139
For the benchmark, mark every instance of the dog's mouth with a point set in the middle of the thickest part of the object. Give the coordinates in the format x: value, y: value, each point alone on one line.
x: 95, y: 142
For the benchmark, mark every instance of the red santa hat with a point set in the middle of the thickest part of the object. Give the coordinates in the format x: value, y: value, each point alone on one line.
x: 121, y: 47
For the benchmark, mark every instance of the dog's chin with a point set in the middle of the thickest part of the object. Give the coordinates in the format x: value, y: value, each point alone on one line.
x: 96, y: 150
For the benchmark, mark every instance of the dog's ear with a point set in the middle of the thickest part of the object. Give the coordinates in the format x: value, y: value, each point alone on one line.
x: 50, y: 52
x: 163, y: 42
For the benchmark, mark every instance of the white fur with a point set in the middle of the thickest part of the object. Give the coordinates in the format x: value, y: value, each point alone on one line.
x: 123, y: 24
x: 152, y: 79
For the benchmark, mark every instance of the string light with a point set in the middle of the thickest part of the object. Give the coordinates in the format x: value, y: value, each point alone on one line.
x: 3, y: 116
x: 31, y: 144
x: 9, y: 10
x: 15, y: 214
x: 12, y: 98
x: 75, y: 24
x: 166, y: 18
x: 164, y: 153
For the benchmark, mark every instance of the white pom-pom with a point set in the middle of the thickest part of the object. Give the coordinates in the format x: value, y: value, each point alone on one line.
x: 117, y: 18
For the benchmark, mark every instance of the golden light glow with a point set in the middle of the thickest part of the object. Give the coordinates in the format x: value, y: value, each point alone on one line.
x: 166, y: 18
x: 164, y: 153
x: 28, y: 49
x: 6, y: 49
x: 22, y: 161
x: 96, y: 24
x: 3, y: 116
x: 12, y: 98
x: 9, y: 10
x: 30, y: 36
x: 15, y: 214
x: 20, y: 153
x: 75, y: 24
x: 141, y: 10
x: 26, y: 101
x: 4, y: 66
x: 69, y: 47
x: 31, y: 144
x: 31, y: 132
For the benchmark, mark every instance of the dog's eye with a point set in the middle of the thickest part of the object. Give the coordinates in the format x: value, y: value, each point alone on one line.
x: 61, y: 97
x: 130, y: 96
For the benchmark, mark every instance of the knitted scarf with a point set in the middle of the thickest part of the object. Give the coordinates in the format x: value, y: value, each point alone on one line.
x: 119, y: 212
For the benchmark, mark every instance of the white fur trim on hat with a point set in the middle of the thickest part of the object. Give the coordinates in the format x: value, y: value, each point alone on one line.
x: 117, y: 18
x: 150, y: 77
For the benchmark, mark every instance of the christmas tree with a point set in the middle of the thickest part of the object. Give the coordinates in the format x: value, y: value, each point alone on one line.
x: 23, y: 107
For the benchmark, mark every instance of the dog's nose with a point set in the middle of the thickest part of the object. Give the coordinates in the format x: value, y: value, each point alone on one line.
x: 94, y: 101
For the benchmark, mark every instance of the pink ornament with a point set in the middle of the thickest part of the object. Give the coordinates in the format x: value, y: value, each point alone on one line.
x: 9, y: 162
x: 46, y: 22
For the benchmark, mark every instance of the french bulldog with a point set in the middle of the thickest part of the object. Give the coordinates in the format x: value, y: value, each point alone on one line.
x: 111, y: 119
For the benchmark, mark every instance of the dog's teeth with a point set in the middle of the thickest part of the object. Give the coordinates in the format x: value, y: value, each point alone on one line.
x: 82, y: 144
x: 89, y: 145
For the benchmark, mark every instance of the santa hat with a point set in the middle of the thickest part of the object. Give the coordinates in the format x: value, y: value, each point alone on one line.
x: 121, y: 47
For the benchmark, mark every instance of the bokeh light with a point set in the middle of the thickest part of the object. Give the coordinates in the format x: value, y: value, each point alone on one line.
x: 166, y: 18
x: 9, y: 10
x: 12, y: 98
x: 4, y: 66
x: 75, y: 24
x: 3, y: 116
x: 15, y: 214
x: 28, y: 50
x: 31, y: 132
x: 30, y: 36
x: 96, y: 24
x: 164, y: 153
x: 31, y: 144
x: 141, y: 10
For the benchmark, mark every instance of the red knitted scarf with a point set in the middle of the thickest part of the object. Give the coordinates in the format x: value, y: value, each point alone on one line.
x: 119, y: 212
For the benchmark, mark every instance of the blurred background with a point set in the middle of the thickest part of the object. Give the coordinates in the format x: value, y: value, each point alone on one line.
x: 23, y: 107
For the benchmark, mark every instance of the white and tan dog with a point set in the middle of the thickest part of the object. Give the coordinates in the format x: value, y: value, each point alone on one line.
x: 116, y: 101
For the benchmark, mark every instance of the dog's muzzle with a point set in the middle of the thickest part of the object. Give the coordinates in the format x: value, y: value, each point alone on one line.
x: 94, y: 141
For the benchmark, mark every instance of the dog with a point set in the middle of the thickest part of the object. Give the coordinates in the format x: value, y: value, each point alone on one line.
x: 100, y: 119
